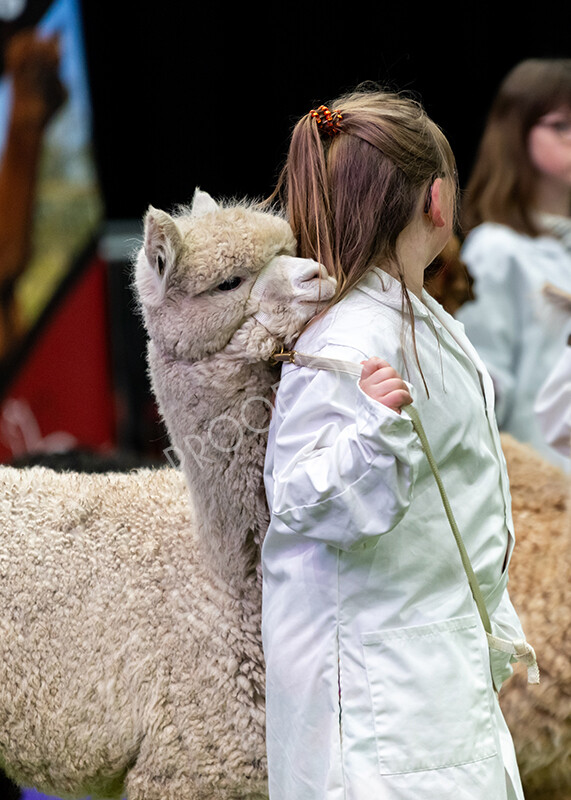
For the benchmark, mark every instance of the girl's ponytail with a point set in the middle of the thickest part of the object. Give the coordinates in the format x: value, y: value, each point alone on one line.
x: 305, y: 183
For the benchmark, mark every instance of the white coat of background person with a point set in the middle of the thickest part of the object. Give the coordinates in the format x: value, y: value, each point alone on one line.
x: 553, y: 404
x: 378, y: 670
x: 517, y: 216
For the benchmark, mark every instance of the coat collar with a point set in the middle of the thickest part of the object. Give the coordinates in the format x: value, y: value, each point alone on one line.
x: 387, y: 290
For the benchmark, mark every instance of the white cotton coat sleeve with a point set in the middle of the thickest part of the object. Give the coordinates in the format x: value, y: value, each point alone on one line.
x: 553, y: 405
x: 343, y: 465
x: 492, y: 320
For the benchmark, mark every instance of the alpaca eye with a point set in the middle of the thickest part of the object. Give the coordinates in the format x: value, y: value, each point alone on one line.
x: 228, y: 285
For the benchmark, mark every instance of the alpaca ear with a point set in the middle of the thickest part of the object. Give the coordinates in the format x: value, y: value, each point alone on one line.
x: 202, y: 204
x: 162, y: 240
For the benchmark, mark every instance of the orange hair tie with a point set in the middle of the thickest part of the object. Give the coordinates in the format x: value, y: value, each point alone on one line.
x: 327, y: 121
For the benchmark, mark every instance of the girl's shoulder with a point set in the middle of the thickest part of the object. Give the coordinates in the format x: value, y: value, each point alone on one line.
x: 360, y: 321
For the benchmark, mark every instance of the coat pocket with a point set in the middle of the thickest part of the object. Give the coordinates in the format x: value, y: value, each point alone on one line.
x: 430, y: 693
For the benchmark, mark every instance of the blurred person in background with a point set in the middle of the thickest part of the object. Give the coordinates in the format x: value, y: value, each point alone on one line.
x: 517, y: 221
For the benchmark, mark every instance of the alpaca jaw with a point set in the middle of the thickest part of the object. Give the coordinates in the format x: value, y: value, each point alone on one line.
x: 298, y: 279
x: 287, y: 293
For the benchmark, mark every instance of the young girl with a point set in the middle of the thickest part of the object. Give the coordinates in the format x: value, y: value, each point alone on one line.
x: 517, y: 211
x: 378, y: 670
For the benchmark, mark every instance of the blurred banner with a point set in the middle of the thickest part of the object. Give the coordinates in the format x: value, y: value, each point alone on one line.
x: 55, y: 373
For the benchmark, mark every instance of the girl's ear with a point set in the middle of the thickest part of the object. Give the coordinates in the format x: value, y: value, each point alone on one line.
x: 438, y: 211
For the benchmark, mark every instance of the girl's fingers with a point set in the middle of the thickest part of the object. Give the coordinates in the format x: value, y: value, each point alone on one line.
x: 397, y: 399
x: 384, y: 375
x: 371, y: 365
x: 383, y: 383
x: 381, y: 375
x: 385, y: 387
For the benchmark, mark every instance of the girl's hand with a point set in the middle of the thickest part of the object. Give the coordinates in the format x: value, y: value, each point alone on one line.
x: 381, y: 382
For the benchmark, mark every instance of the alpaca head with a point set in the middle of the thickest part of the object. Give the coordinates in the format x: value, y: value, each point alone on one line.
x: 211, y: 270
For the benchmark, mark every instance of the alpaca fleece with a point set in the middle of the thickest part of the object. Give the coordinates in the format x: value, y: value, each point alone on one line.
x: 121, y: 653
x: 539, y: 717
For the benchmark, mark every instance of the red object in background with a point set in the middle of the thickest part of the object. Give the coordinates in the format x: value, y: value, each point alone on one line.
x: 62, y: 396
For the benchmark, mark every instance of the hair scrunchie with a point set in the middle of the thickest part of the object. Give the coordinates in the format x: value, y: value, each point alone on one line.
x: 327, y: 121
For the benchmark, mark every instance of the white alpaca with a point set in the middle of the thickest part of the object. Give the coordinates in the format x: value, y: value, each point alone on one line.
x: 210, y: 354
x: 130, y: 654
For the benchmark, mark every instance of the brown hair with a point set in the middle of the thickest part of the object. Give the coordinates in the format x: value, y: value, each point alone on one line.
x: 349, y: 196
x: 502, y: 183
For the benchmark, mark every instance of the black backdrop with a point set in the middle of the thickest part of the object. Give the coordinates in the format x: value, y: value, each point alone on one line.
x: 188, y: 94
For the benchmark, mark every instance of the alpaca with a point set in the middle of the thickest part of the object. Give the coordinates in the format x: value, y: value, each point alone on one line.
x: 130, y: 652
x: 221, y: 438
x: 539, y: 717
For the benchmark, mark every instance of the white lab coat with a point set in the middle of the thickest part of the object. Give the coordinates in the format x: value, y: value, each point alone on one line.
x: 378, y: 677
x: 553, y: 405
x: 517, y: 332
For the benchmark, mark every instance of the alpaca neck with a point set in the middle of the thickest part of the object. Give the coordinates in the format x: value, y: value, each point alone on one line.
x: 217, y: 412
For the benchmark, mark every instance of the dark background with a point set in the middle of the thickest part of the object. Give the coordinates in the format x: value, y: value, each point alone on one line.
x: 188, y: 94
